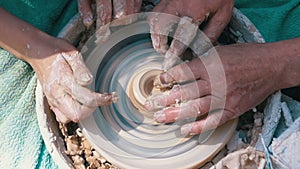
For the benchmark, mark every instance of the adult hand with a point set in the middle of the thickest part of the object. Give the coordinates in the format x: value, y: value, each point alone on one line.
x: 217, y: 13
x: 220, y: 85
x: 63, y: 76
x: 107, y: 11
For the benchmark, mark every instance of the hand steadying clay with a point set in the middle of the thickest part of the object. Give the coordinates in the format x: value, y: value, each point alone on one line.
x: 63, y: 78
x: 223, y: 83
x: 58, y: 65
x: 252, y: 73
x: 107, y: 11
x: 168, y: 13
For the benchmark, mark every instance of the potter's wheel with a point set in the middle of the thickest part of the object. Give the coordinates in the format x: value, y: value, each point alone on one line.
x: 124, y: 132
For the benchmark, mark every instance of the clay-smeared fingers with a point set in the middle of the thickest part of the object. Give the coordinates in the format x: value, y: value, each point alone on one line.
x: 188, y: 110
x: 81, y: 73
x: 184, y: 72
x: 212, y: 121
x: 161, y: 23
x: 125, y: 7
x: 218, y: 22
x: 178, y: 94
x: 104, y: 12
x: 184, y: 35
x: 84, y: 8
x: 84, y: 95
x: 122, y: 8
x: 73, y: 109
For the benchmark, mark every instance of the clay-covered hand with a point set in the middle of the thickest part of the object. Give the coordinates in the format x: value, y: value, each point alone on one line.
x: 107, y: 11
x: 58, y: 65
x: 168, y: 13
x: 219, y: 86
x: 63, y: 76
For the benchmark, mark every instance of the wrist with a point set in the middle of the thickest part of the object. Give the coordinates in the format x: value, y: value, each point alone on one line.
x: 37, y: 47
x: 46, y: 50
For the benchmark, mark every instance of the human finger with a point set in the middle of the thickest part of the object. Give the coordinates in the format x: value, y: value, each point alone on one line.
x: 137, y: 5
x: 217, y: 23
x: 104, y: 12
x: 80, y: 71
x: 184, y: 35
x: 122, y: 8
x: 178, y: 94
x: 161, y: 24
x: 184, y: 72
x: 72, y: 109
x: 104, y: 17
x: 188, y: 110
x: 82, y: 94
x: 60, y: 116
x: 84, y: 8
x: 212, y: 121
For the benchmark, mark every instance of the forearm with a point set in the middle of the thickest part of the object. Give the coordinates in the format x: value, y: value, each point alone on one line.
x: 22, y: 39
x: 288, y: 54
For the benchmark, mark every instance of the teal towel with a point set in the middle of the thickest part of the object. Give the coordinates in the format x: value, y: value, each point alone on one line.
x: 47, y: 15
x: 21, y: 143
x: 275, y: 19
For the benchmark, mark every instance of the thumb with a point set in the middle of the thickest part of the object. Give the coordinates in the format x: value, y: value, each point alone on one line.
x: 85, y: 10
x: 81, y: 73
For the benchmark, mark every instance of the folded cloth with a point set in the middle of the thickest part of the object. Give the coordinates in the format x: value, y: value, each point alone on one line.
x: 21, y: 143
x: 275, y: 19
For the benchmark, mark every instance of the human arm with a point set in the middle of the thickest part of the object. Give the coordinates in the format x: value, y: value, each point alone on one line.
x: 58, y: 65
x: 251, y: 72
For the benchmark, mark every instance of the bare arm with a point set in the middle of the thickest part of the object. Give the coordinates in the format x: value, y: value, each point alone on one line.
x: 59, y: 67
x: 22, y: 39
x: 289, y: 54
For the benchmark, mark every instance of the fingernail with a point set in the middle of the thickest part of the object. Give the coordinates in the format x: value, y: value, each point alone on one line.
x: 186, y: 129
x: 160, y: 117
x: 86, y: 77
